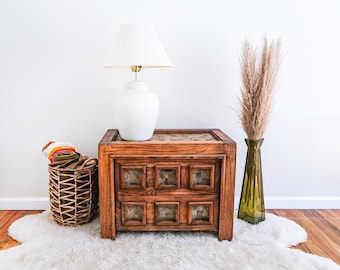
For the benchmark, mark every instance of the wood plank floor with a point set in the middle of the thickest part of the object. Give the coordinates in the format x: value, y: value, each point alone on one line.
x: 6, y: 219
x: 322, y: 226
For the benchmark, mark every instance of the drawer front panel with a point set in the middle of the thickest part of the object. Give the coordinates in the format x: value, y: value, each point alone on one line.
x: 157, y: 213
x: 160, y: 174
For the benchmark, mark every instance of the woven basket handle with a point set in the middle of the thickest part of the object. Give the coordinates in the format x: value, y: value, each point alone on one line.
x: 88, y: 162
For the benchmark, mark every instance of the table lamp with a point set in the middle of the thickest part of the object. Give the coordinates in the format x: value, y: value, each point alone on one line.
x: 137, y: 46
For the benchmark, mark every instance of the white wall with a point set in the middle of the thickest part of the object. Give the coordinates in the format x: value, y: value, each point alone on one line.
x: 52, y: 85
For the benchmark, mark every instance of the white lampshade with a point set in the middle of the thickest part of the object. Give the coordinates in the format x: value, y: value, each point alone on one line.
x: 137, y: 44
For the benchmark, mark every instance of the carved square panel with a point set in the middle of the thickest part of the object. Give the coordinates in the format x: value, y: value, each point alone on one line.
x: 167, y: 177
x: 133, y: 177
x: 200, y: 213
x: 166, y: 213
x: 202, y: 176
x: 133, y: 213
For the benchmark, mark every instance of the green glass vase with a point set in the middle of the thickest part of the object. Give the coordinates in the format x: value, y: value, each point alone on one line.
x: 251, y: 208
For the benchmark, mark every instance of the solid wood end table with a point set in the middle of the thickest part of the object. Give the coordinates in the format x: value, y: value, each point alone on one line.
x: 179, y: 180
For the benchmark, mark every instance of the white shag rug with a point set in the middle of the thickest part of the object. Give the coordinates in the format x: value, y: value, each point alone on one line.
x: 47, y: 245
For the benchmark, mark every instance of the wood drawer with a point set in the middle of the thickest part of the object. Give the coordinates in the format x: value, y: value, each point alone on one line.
x: 156, y: 213
x: 153, y: 175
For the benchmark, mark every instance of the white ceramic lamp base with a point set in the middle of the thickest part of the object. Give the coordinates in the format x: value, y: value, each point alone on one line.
x: 136, y: 111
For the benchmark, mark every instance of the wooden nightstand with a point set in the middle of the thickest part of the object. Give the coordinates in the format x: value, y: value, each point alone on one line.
x: 180, y: 180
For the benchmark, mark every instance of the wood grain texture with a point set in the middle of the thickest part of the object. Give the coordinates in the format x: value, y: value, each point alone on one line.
x: 322, y: 226
x: 6, y: 219
x: 129, y: 177
x: 106, y: 195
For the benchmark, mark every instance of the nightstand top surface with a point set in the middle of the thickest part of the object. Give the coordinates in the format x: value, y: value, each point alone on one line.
x: 170, y: 136
x: 177, y: 137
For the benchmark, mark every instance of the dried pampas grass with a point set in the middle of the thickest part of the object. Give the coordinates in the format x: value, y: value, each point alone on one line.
x: 259, y: 78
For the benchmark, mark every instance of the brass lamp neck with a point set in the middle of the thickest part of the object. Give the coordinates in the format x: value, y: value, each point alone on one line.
x: 136, y: 69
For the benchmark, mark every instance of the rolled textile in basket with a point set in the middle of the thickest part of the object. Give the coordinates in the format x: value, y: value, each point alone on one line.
x: 52, y: 148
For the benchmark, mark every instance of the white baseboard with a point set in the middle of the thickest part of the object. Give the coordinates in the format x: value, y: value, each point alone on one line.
x: 42, y: 203
x: 299, y: 202
x: 24, y: 203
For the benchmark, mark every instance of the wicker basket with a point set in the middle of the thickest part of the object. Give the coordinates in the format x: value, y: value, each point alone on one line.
x: 74, y: 193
